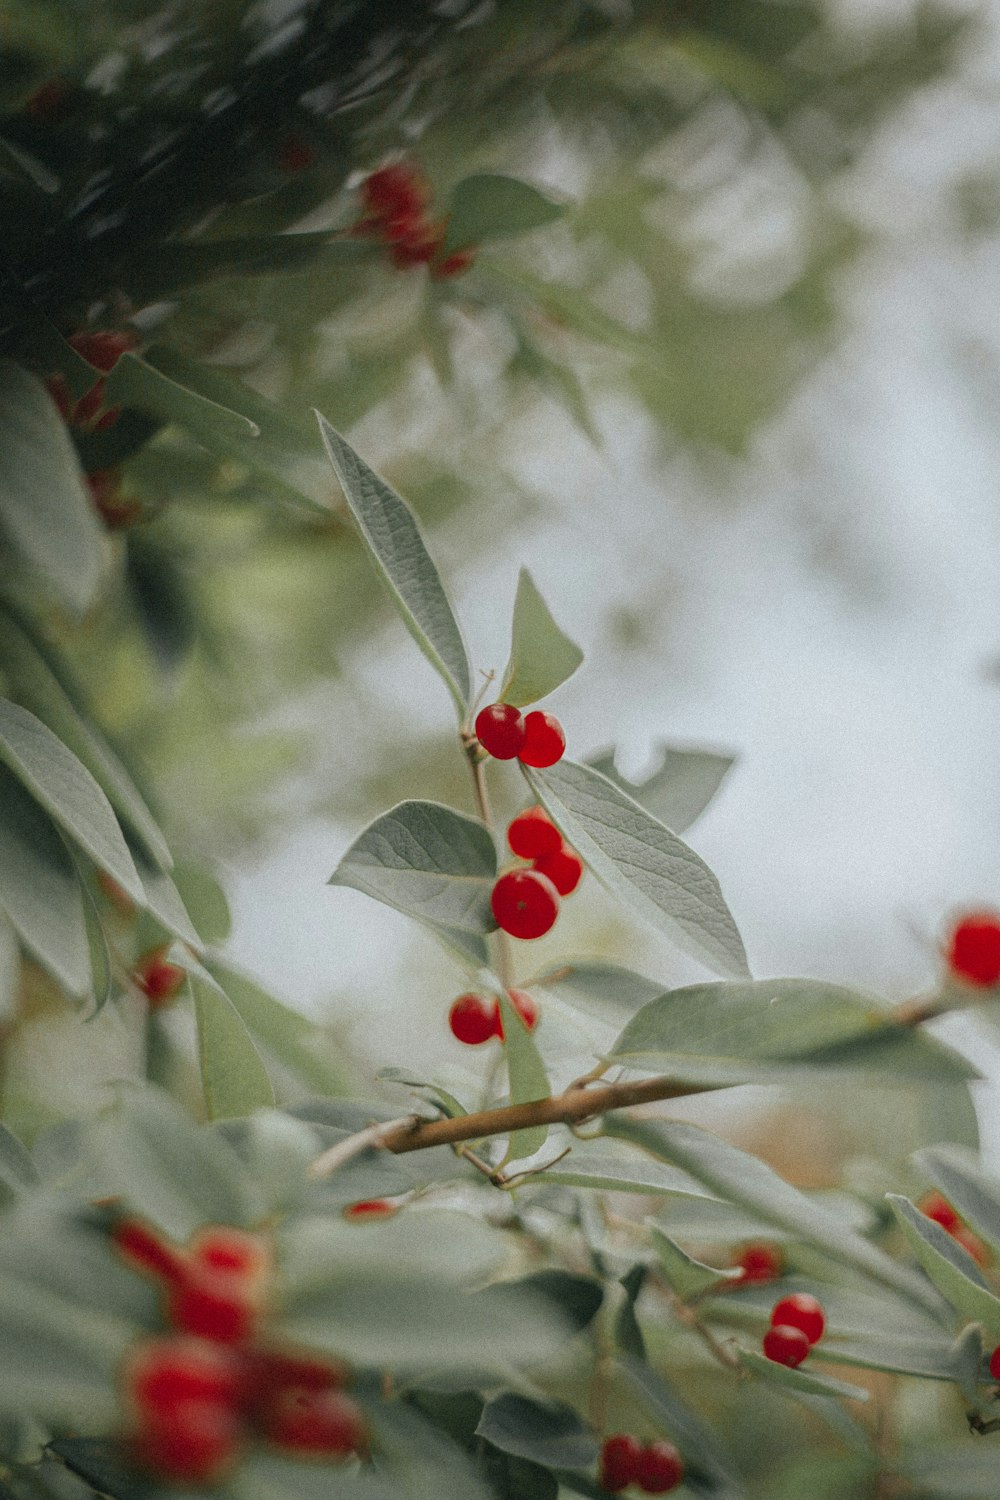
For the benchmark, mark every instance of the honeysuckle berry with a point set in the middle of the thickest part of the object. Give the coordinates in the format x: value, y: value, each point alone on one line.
x: 500, y: 730
x: 659, y: 1468
x: 222, y: 1306
x: 158, y: 980
x: 103, y: 348
x: 146, y: 1250
x: 525, y: 904
x: 785, y: 1345
x: 371, y: 1208
x: 265, y: 1374
x: 974, y: 949
x: 532, y: 833
x: 544, y: 740
x: 178, y: 1367
x: 414, y: 244
x: 937, y: 1207
x: 474, y: 1020
x: 323, y: 1424
x: 760, y: 1263
x: 191, y: 1442
x: 226, y: 1248
x: 455, y: 264
x: 564, y: 868
x: 619, y: 1461
x: 800, y: 1310
x: 396, y: 191
x: 995, y: 1363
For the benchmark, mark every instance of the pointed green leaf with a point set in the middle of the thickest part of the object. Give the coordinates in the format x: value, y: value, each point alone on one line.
x: 67, y: 791
x: 809, y: 1381
x: 10, y: 964
x: 688, y: 1277
x: 552, y: 1435
x: 162, y: 899
x: 488, y: 206
x: 704, y: 1455
x: 638, y: 859
x: 973, y: 1192
x: 101, y: 974
x: 596, y: 1165
x: 949, y: 1266
x: 679, y: 791
x: 33, y: 683
x: 292, y: 1038
x: 17, y: 1170
x: 392, y: 537
x: 604, y: 990
x: 233, y: 1076
x: 136, y: 382
x: 541, y: 655
x: 628, y: 1334
x: 39, y: 889
x: 528, y: 1079
x: 428, y: 861
x: 47, y: 519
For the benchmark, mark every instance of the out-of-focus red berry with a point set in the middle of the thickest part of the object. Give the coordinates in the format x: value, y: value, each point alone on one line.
x: 974, y: 949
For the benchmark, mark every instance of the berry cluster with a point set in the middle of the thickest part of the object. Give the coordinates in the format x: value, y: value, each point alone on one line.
x: 940, y: 1210
x: 974, y: 949
x: 475, y: 1019
x: 396, y: 200
x: 526, y: 902
x: 159, y: 980
x: 759, y: 1263
x: 536, y: 739
x: 102, y: 349
x: 196, y: 1395
x: 656, y: 1467
x: 797, y: 1323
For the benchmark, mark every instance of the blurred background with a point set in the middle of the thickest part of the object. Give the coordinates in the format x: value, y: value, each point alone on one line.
x: 735, y: 409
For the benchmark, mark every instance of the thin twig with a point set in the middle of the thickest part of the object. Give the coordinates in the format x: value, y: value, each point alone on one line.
x: 371, y: 1136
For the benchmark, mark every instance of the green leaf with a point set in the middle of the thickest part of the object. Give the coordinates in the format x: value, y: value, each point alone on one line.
x: 541, y: 656
x: 162, y: 900
x: 46, y: 517
x: 34, y: 684
x: 949, y: 1266
x: 577, y: 1299
x: 428, y: 861
x: 205, y: 901
x: 809, y: 1381
x: 293, y: 1039
x: 232, y: 1074
x: 953, y: 1471
x: 101, y: 974
x: 528, y: 1079
x: 975, y: 1194
x: 173, y: 266
x: 136, y: 382
x: 39, y: 889
x: 704, y: 1456
x: 745, y: 1180
x: 597, y: 1166
x: 552, y: 1435
x: 688, y: 1277
x: 642, y: 862
x: 67, y: 791
x: 10, y: 962
x: 392, y: 537
x: 714, y: 1032
x: 679, y: 791
x: 488, y: 206
x: 628, y: 1334
x: 603, y: 990
x: 967, y: 1355
x: 17, y: 1170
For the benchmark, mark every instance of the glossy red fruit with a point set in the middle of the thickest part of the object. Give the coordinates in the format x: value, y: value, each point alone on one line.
x: 760, y: 1263
x: 159, y: 980
x: 620, y: 1456
x: 564, y: 869
x: 659, y: 1469
x: 214, y: 1304
x: 395, y: 192
x: 937, y: 1207
x: 371, y: 1208
x: 474, y: 1020
x: 786, y: 1345
x: 802, y: 1311
x: 104, y: 348
x: 266, y: 1375
x: 226, y: 1248
x: 974, y: 950
x: 526, y: 1007
x: 544, y: 740
x: 164, y: 1371
x: 325, y: 1424
x: 144, y: 1249
x: 525, y: 903
x: 500, y: 730
x: 533, y: 833
x: 193, y: 1442
x: 455, y: 264
x: 995, y: 1363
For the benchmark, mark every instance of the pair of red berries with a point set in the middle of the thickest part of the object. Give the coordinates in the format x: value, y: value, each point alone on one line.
x: 974, y: 949
x: 525, y: 903
x: 475, y: 1019
x: 196, y: 1395
x: 656, y: 1467
x: 396, y: 199
x: 940, y: 1210
x: 536, y: 739
x: 159, y: 980
x: 797, y: 1323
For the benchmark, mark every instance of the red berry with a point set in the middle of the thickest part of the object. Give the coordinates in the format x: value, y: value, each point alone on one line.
x: 525, y: 903
x: 213, y: 1304
x: 973, y: 1244
x: 371, y: 1208
x: 786, y: 1345
x: 266, y: 1374
x: 526, y: 1007
x: 104, y: 349
x: 326, y: 1424
x: 619, y: 1461
x: 413, y: 244
x: 500, y: 730
x: 395, y: 191
x: 227, y: 1249
x: 474, y: 1020
x: 995, y: 1363
x: 544, y: 740
x: 760, y: 1263
x: 659, y: 1468
x: 146, y: 1250
x: 533, y: 833
x: 295, y: 154
x: 194, y: 1442
x: 564, y: 869
x: 940, y: 1210
x: 974, y: 951
x: 801, y: 1311
x: 455, y: 264
x: 164, y: 1371
x: 159, y: 981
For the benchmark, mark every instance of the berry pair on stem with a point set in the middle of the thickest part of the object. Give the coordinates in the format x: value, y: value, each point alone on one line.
x: 656, y: 1467
x: 536, y: 739
x: 396, y: 199
x: 196, y: 1395
x: 475, y: 1019
x: 797, y: 1323
x: 526, y: 902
